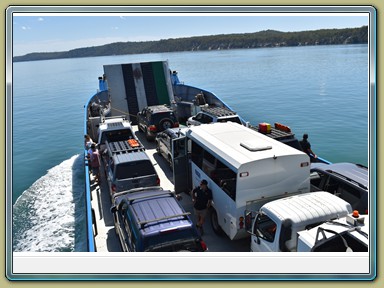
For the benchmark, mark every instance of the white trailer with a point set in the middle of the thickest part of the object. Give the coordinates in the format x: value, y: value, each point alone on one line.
x: 244, y: 169
x: 278, y: 223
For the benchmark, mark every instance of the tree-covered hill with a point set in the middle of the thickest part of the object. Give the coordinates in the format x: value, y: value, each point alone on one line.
x: 268, y: 38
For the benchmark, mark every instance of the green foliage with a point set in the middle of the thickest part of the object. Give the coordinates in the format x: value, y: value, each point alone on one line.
x: 268, y: 38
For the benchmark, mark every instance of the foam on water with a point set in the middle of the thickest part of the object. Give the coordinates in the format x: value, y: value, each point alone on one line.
x: 48, y: 216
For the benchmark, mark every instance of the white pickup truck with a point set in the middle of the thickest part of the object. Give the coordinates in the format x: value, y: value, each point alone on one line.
x: 281, y: 224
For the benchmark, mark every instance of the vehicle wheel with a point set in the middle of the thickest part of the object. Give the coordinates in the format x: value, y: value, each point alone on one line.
x: 215, y: 223
x: 165, y: 124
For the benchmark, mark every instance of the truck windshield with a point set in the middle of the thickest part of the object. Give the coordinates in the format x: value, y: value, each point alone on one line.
x: 118, y: 135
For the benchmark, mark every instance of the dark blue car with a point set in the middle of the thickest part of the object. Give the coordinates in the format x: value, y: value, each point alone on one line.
x: 152, y: 220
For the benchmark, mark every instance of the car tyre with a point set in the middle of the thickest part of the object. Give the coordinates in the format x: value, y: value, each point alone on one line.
x: 165, y: 124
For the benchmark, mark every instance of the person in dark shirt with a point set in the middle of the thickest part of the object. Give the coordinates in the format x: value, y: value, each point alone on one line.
x: 202, y: 198
x: 306, y: 147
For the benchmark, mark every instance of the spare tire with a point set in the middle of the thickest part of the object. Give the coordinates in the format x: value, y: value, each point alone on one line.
x: 165, y: 124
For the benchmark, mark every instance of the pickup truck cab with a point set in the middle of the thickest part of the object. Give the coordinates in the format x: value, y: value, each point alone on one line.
x: 114, y: 129
x: 278, y: 222
x: 125, y: 161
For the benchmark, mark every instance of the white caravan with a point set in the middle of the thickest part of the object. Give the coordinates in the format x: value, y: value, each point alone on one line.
x: 244, y: 169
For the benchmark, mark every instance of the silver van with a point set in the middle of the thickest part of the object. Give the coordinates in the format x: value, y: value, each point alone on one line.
x: 347, y: 180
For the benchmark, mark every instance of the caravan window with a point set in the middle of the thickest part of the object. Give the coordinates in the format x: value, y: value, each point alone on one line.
x: 197, y: 154
x: 218, y: 172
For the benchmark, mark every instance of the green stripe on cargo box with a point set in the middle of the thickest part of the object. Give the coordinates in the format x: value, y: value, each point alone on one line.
x: 161, y: 85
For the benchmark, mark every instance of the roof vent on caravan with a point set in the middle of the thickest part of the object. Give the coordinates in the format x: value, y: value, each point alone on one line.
x: 254, y: 147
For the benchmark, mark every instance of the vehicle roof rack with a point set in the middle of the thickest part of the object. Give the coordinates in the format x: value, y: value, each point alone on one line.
x: 142, y: 223
x: 126, y: 146
x: 218, y: 111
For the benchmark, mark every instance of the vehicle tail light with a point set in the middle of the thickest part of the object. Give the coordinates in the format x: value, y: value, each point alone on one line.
x: 176, y: 124
x: 203, y: 245
x: 241, y: 222
x: 113, y: 188
x: 158, y: 181
x: 152, y: 128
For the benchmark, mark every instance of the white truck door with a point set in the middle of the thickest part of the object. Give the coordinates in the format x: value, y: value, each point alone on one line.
x: 264, y: 235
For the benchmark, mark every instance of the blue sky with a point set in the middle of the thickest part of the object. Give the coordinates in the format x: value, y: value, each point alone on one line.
x: 62, y: 32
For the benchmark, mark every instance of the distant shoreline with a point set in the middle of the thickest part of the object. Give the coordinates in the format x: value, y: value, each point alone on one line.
x: 262, y: 39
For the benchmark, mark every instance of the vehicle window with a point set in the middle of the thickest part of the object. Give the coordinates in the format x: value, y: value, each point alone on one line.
x: 159, y: 116
x: 352, y: 195
x: 119, y: 135
x: 179, y: 147
x: 265, y: 228
x: 199, y: 116
x: 176, y: 240
x: 197, y: 154
x: 131, y: 238
x: 316, y: 178
x: 134, y: 169
x: 231, y: 119
x: 332, y: 185
x: 206, y: 119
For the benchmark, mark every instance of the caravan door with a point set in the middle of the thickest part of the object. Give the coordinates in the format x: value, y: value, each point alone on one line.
x: 181, y: 176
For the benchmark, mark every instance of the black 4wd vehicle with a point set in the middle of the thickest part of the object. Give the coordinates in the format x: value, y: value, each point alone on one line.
x: 153, y: 119
x: 152, y: 220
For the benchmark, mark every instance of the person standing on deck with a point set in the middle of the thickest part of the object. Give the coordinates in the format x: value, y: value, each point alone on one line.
x: 201, y: 198
x: 94, y: 158
x: 87, y: 141
x: 306, y: 147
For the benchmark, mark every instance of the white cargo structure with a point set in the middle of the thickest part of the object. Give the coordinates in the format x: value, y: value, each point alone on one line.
x: 115, y: 129
x: 278, y: 222
x: 244, y: 169
x: 346, y: 234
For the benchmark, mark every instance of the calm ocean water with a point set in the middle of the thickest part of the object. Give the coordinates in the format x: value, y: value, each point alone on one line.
x: 320, y: 90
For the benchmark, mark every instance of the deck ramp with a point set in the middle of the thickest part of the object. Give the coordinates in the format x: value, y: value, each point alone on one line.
x: 137, y: 85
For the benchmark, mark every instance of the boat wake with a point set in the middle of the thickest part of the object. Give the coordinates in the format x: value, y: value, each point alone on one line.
x: 49, y: 215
